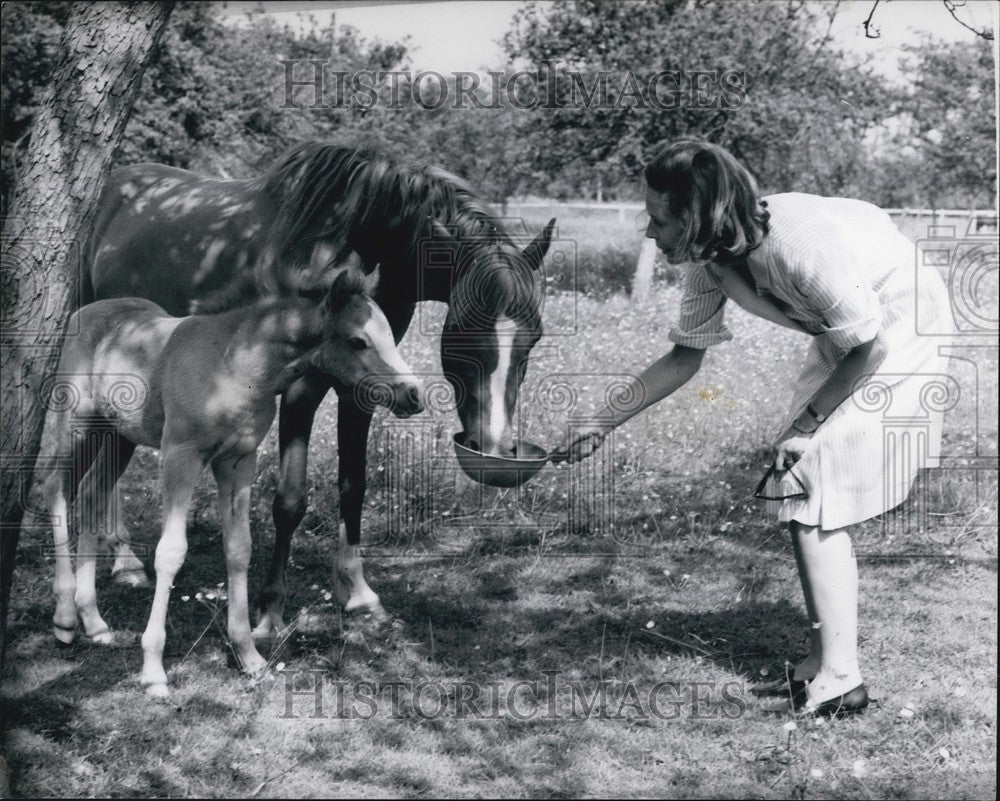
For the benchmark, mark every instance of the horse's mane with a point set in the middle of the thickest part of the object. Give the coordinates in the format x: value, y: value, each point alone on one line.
x: 246, y: 292
x: 353, y: 196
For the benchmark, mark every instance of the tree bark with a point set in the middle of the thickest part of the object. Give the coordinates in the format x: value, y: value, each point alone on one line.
x: 74, y: 134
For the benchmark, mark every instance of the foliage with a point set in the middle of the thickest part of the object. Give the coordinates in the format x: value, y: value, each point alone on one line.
x: 806, y: 104
x: 802, y: 114
x: 948, y: 124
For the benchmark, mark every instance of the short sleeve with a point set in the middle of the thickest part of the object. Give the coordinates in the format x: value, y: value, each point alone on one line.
x: 700, y: 323
x: 837, y: 290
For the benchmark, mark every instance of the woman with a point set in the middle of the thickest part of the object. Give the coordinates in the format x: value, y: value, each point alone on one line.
x: 837, y: 270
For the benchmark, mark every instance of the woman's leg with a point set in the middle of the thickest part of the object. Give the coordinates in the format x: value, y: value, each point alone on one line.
x: 829, y: 574
x: 807, y: 669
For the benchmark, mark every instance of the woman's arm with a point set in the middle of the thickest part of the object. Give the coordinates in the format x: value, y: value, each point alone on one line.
x: 663, y: 377
x: 859, y: 362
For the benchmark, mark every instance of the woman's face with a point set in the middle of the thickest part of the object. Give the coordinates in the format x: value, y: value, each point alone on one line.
x: 663, y: 226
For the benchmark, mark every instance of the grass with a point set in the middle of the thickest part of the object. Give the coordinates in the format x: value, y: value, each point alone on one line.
x: 647, y: 564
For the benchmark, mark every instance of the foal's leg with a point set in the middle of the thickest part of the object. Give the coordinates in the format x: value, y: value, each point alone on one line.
x: 98, y: 496
x: 181, y: 466
x: 60, y: 489
x: 352, y: 442
x: 234, y: 477
x: 298, y: 406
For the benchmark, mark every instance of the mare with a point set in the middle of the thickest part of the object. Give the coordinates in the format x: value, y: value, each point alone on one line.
x: 430, y: 235
x: 203, y: 393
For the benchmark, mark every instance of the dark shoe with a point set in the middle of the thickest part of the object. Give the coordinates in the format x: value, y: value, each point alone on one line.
x: 786, y: 687
x: 850, y: 703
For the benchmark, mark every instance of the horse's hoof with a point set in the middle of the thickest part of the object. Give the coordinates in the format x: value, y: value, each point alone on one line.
x: 157, y: 691
x: 106, y: 637
x: 64, y: 634
x: 132, y: 577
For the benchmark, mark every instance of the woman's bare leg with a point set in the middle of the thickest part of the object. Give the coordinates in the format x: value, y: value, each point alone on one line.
x: 830, y: 572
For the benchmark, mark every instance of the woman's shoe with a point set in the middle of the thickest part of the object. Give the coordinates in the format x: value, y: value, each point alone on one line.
x: 783, y: 687
x: 850, y: 703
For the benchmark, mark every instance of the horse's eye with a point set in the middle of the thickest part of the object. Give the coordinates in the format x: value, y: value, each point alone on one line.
x: 356, y: 343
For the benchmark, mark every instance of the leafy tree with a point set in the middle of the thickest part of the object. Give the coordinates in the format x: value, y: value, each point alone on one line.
x: 947, y: 124
x: 805, y: 110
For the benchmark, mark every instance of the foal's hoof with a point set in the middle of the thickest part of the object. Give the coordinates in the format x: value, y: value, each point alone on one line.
x: 131, y: 577
x: 364, y: 603
x: 106, y: 637
x: 254, y: 666
x: 269, y: 630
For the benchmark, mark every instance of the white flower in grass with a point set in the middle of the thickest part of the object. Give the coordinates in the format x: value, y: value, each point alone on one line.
x: 279, y: 667
x: 790, y: 726
x: 198, y: 596
x: 816, y: 773
x: 210, y: 596
x: 650, y: 624
x: 185, y: 598
x: 859, y: 770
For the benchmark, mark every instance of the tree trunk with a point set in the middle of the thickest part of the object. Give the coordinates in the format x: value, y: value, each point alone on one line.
x: 74, y: 134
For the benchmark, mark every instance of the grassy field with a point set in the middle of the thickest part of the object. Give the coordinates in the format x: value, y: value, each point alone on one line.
x: 647, y: 574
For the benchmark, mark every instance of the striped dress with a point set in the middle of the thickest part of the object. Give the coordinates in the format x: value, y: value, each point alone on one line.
x: 841, y: 271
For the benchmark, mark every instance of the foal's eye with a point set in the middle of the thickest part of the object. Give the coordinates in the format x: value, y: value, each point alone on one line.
x: 356, y: 343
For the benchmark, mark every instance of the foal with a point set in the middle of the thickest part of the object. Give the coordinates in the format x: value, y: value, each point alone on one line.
x: 209, y: 384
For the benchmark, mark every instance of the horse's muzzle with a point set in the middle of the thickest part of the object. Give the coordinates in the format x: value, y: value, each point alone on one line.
x: 408, y: 399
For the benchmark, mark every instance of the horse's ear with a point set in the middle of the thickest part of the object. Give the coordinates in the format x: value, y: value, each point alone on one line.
x: 539, y: 246
x: 371, y: 281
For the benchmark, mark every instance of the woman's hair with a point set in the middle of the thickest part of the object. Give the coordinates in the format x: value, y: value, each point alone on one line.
x: 716, y: 197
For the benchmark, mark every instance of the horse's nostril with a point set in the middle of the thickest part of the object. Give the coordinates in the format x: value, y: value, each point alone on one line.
x: 472, y: 444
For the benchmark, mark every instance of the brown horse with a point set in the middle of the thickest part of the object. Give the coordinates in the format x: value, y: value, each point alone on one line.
x: 203, y: 391
x: 430, y: 234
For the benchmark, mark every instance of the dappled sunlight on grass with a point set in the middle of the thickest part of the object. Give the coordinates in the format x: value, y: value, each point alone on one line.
x: 667, y: 572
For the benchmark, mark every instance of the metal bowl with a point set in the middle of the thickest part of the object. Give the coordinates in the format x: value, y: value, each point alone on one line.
x: 501, y: 471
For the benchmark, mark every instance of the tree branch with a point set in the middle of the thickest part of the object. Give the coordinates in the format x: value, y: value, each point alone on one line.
x: 952, y: 6
x: 868, y: 22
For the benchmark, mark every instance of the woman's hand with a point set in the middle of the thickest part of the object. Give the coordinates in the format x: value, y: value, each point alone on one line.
x: 581, y: 442
x: 791, y: 445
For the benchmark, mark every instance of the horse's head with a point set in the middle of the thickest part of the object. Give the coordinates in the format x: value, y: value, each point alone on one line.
x: 492, y: 324
x: 360, y: 352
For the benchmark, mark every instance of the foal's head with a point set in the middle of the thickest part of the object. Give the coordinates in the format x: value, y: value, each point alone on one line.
x: 359, y: 350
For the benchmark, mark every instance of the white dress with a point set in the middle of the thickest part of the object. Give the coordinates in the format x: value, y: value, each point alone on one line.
x: 842, y: 272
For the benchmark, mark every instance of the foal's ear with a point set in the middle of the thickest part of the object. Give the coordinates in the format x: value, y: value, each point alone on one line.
x: 343, y: 287
x: 539, y: 246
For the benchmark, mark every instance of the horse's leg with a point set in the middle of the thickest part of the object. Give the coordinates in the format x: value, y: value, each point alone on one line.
x: 180, y: 469
x: 127, y: 567
x: 353, y: 424
x: 352, y: 443
x: 234, y: 477
x: 298, y: 406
